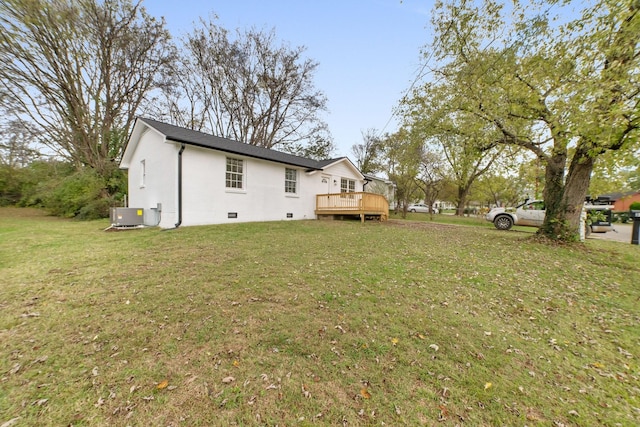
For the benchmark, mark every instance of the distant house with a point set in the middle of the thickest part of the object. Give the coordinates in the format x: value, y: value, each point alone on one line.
x: 179, y: 177
x: 622, y: 201
x: 383, y: 186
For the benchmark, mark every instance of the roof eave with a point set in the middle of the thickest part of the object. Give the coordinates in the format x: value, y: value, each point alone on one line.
x: 238, y: 153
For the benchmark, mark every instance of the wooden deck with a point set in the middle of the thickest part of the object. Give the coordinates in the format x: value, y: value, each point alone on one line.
x: 352, y: 204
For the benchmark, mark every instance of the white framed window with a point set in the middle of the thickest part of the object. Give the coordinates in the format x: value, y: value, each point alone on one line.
x: 347, y: 185
x: 143, y: 173
x: 235, y: 174
x: 290, y: 181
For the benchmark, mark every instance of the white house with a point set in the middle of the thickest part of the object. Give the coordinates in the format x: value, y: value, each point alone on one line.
x: 179, y: 177
x: 382, y: 186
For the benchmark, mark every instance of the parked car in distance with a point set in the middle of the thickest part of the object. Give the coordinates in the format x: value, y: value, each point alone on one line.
x: 531, y: 213
x: 420, y: 207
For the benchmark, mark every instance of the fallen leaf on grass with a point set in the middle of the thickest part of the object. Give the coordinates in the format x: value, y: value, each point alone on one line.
x: 365, y: 393
x: 40, y: 402
x: 394, y: 341
x: 442, y: 416
x: 34, y: 314
x: 236, y: 363
x: 305, y: 392
x: 162, y: 385
x: 625, y: 352
x: 40, y: 359
x: 11, y: 422
x: 434, y: 347
x: 228, y: 380
x: 487, y: 386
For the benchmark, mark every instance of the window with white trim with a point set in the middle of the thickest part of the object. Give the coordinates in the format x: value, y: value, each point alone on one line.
x: 347, y: 185
x: 290, y: 181
x: 235, y: 174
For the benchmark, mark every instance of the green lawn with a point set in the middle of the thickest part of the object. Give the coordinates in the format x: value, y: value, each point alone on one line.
x: 314, y: 323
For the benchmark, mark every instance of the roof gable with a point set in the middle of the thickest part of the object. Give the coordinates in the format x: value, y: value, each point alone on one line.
x: 331, y: 162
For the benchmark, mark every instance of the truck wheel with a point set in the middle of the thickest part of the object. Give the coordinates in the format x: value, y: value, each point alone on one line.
x: 503, y: 222
x: 412, y: 210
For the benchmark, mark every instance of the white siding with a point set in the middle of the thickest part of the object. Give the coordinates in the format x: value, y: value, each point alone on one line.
x: 160, y: 163
x: 206, y: 200
x: 341, y: 170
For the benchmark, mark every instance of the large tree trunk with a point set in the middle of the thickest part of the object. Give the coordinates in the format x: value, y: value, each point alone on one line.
x: 576, y: 188
x: 553, y: 196
x: 463, y: 194
x: 564, y: 199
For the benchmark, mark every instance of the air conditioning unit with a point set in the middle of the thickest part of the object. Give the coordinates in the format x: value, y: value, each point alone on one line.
x: 127, y: 217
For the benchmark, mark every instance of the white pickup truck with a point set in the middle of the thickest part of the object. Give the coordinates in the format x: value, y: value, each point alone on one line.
x: 531, y: 213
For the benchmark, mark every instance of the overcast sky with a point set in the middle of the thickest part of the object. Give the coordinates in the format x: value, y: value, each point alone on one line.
x: 368, y: 50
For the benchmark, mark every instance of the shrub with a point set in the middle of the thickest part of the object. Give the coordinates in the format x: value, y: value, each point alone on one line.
x: 63, y: 190
x: 39, y: 179
x: 635, y: 206
x: 77, y: 195
x: 10, y: 183
x: 622, y: 217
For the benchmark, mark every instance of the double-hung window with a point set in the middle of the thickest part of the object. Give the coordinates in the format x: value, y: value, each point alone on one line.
x: 347, y: 185
x: 290, y: 181
x: 235, y: 174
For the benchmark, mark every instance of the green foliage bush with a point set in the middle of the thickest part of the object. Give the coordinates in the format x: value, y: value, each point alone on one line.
x: 635, y: 206
x: 84, y: 195
x: 622, y: 217
x: 10, y: 183
x: 62, y: 189
x: 40, y: 178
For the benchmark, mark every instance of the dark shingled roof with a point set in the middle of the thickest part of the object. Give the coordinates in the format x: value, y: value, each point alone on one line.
x: 199, y: 139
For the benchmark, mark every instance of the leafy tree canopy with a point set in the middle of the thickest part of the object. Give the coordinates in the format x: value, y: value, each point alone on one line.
x: 530, y: 77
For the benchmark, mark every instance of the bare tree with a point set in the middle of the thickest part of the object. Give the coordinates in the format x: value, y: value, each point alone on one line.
x: 80, y: 70
x: 246, y: 88
x: 402, y: 153
x: 15, y: 147
x: 431, y: 177
x: 368, y: 152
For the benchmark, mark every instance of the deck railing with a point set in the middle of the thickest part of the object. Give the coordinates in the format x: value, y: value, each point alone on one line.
x: 362, y: 204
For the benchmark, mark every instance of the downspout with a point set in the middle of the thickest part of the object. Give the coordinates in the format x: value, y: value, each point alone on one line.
x: 180, y: 186
x: 366, y: 181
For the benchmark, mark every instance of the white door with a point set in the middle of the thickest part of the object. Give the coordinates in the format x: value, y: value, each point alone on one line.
x: 326, y: 179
